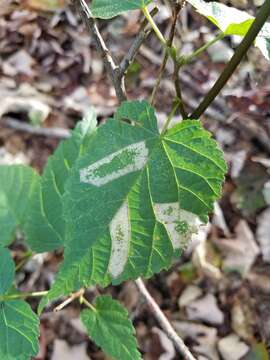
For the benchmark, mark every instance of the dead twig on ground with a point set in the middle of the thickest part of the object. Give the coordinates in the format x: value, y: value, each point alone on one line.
x: 163, y: 321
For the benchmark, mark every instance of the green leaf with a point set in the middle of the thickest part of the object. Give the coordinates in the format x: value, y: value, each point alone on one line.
x: 258, y: 352
x: 109, y: 327
x: 7, y: 270
x: 229, y: 20
x: 18, y: 183
x: 107, y: 9
x: 19, y: 331
x: 46, y: 226
x: 232, y: 21
x: 135, y: 197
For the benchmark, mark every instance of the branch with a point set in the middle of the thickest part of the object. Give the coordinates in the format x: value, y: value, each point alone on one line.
x: 176, y: 10
x: 163, y: 321
x: 69, y: 300
x: 111, y: 68
x: 240, y: 52
x: 132, y: 52
x: 138, y: 41
x: 179, y: 91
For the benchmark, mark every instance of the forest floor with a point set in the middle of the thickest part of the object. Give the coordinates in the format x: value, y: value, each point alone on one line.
x: 217, y: 295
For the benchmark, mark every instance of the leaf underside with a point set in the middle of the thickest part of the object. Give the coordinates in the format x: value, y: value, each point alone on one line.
x: 134, y: 198
x: 232, y: 21
x: 107, y: 9
x: 111, y: 329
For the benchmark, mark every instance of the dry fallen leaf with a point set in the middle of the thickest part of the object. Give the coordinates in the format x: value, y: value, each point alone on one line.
x: 238, y: 159
x: 61, y: 350
x: 219, y: 219
x: 19, y: 63
x: 45, y: 5
x: 6, y: 158
x: 239, y: 3
x: 204, y: 336
x: 242, y: 317
x: 25, y: 99
x: 190, y: 294
x: 200, y: 257
x: 263, y: 234
x: 232, y: 348
x: 166, y: 343
x: 241, y: 252
x: 205, y: 309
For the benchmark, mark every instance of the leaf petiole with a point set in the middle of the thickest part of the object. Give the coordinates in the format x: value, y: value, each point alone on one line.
x: 177, y: 102
x: 23, y: 295
x: 184, y: 60
x: 87, y: 303
x: 151, y: 21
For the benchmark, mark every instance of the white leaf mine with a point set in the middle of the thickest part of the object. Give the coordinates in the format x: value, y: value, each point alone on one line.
x: 180, y: 224
x: 127, y: 160
x: 120, y: 232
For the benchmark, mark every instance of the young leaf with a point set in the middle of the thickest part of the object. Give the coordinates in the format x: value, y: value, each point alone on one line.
x: 45, y: 227
x: 232, y: 21
x: 110, y: 328
x: 107, y: 9
x: 19, y: 331
x: 135, y: 197
x: 7, y: 270
x: 18, y: 183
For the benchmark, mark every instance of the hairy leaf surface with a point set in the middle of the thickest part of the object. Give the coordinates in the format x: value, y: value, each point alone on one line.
x: 135, y: 197
x: 107, y: 9
x: 110, y: 328
x: 232, y: 21
x: 45, y: 227
x: 19, y: 331
x: 7, y: 270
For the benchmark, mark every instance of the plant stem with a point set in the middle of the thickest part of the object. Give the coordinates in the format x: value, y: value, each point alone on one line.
x: 69, y: 300
x: 240, y: 52
x: 23, y: 295
x: 169, y: 118
x: 109, y: 64
x: 88, y: 304
x: 138, y: 41
x: 177, y: 8
x: 186, y: 59
x: 154, y: 26
x: 179, y: 91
